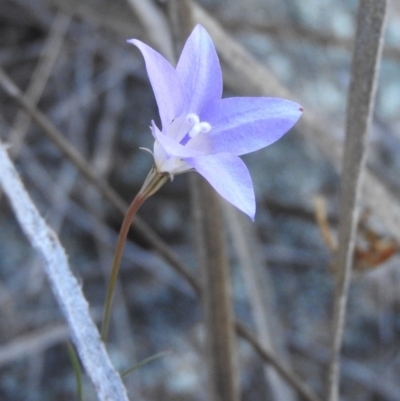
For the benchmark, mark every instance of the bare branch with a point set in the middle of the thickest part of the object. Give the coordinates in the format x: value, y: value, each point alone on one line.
x: 106, y: 380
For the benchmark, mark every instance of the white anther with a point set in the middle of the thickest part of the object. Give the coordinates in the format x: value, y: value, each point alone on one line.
x: 195, y: 130
x: 205, y: 127
x: 193, y: 119
x: 197, y: 126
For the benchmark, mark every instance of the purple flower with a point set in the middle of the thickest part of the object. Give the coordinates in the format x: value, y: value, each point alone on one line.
x: 203, y: 132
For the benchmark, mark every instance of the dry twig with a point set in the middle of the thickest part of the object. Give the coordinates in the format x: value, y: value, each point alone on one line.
x: 105, y: 379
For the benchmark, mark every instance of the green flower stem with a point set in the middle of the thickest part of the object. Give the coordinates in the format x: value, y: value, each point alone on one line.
x: 144, y: 362
x: 154, y: 181
x: 77, y: 370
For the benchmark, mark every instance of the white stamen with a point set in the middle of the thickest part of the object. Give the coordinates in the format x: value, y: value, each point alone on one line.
x: 195, y: 130
x: 193, y: 119
x: 197, y: 126
x: 205, y: 127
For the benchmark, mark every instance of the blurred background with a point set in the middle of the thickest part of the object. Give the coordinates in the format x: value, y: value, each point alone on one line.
x: 72, y: 60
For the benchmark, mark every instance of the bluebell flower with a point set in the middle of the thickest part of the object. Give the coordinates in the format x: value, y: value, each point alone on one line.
x: 202, y: 132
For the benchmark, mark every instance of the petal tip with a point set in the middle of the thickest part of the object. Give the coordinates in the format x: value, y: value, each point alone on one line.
x: 252, y: 216
x: 252, y: 212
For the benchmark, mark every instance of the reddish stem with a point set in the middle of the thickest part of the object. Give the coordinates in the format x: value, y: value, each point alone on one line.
x: 153, y: 182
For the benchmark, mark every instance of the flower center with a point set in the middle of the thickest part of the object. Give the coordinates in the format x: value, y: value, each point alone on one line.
x: 197, y: 127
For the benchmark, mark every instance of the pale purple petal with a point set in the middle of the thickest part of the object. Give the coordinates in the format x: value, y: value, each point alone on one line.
x: 242, y: 125
x: 159, y: 153
x: 178, y: 129
x: 229, y: 176
x: 171, y: 146
x: 167, y: 87
x: 200, y: 71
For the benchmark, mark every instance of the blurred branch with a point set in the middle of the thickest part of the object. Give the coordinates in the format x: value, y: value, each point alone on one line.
x: 303, y: 34
x: 358, y: 373
x: 365, y: 65
x: 303, y: 389
x: 216, y: 294
x: 117, y: 17
x: 39, y: 78
x: 180, y: 20
x: 106, y: 380
x: 155, y: 26
x: 260, y: 293
x: 33, y: 343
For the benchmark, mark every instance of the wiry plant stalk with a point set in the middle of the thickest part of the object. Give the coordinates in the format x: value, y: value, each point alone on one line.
x: 365, y: 65
x: 153, y: 182
x: 221, y: 350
